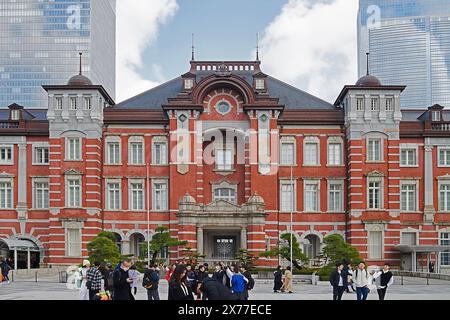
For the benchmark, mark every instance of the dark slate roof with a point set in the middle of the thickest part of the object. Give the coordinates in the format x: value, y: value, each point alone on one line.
x: 417, y: 115
x: 291, y: 97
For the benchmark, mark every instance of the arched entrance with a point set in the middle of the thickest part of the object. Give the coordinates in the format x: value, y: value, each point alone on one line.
x: 312, y: 246
x: 136, y: 239
x: 118, y: 241
x: 22, y: 253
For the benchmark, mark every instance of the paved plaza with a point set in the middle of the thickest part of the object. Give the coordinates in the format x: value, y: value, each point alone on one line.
x: 413, y: 289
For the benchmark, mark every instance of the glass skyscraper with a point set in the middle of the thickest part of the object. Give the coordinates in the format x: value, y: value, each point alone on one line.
x: 409, y: 44
x: 40, y: 41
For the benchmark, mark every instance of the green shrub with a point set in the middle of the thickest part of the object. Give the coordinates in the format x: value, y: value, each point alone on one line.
x: 324, y: 272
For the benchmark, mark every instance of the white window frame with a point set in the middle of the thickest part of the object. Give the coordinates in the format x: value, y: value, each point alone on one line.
x: 231, y: 199
x: 11, y: 188
x: 360, y: 103
x: 380, y: 180
x: 390, y: 107
x: 307, y: 141
x: 87, y: 102
x: 134, y: 140
x: 7, y: 162
x: 260, y: 84
x: 109, y: 182
x: 414, y: 183
x: 79, y: 244
x: 165, y: 204
x: 15, y: 115
x: 441, y: 239
x: 188, y: 83
x: 36, y: 181
x: 317, y: 200
x: 59, y: 102
x: 73, y: 107
x: 335, y: 141
x: 113, y: 140
x: 409, y: 231
x: 446, y: 163
x: 341, y: 197
x: 131, y: 206
x: 77, y: 203
x: 374, y: 104
x: 442, y: 183
x: 226, y: 166
x: 435, y: 116
x: 79, y: 155
x: 288, y: 141
x: 370, y: 154
x: 293, y: 185
x: 35, y: 148
x: 370, y: 255
x: 163, y: 160
x: 409, y: 147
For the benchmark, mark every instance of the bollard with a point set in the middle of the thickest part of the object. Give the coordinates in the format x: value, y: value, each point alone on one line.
x: 35, y: 276
x: 402, y: 279
x: 428, y: 277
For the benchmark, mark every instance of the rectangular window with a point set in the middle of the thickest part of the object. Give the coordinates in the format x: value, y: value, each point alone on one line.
x: 160, y: 196
x: 375, y: 104
x: 160, y: 153
x: 389, y: 104
x: 436, y: 116
x: 74, y: 193
x: 287, y: 197
x: 335, y: 197
x: 335, y: 154
x: 58, y: 103
x: 259, y: 84
x: 74, y: 149
x: 374, y: 195
x: 137, y: 196
x: 188, y: 84
x: 6, y: 195
x: 41, y: 155
x: 375, y: 246
x: 445, y: 241
x: 41, y: 195
x: 6, y: 154
x: 87, y: 103
x: 311, y: 197
x: 408, y: 197
x: 311, y: 154
x: 408, y: 238
x: 226, y: 194
x: 444, y: 197
x: 374, y: 150
x: 359, y: 104
x: 287, y: 154
x: 137, y: 153
x: 73, y: 103
x: 224, y: 160
x: 73, y: 242
x: 113, y: 194
x: 15, y: 115
x: 113, y: 152
x: 444, y: 157
x: 408, y: 157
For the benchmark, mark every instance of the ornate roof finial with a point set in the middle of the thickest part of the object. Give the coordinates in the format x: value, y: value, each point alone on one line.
x: 80, y: 53
x: 368, y: 54
x: 193, y: 49
x: 257, y: 47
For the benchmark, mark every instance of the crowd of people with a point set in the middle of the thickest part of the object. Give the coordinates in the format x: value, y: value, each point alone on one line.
x: 345, y: 279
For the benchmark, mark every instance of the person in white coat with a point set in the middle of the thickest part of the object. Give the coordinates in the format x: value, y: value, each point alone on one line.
x: 383, y: 279
x: 361, y: 281
x: 84, y: 291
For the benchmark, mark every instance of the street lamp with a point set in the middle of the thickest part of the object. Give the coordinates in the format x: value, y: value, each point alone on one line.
x: 148, y: 215
x: 292, y: 212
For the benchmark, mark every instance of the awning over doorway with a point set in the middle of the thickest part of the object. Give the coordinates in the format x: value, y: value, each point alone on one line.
x: 421, y: 249
x: 20, y: 245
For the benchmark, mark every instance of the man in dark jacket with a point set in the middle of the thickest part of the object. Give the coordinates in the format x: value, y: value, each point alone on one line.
x: 251, y: 282
x: 202, y: 274
x: 122, y: 281
x: 215, y: 290
x: 339, y: 281
x: 219, y: 274
x: 277, y: 280
x: 151, y: 278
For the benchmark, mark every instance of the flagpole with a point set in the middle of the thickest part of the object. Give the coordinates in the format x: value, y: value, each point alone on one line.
x: 292, y: 212
x: 148, y: 215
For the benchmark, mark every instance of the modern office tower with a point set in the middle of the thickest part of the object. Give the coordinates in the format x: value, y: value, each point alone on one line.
x: 40, y: 41
x: 409, y: 44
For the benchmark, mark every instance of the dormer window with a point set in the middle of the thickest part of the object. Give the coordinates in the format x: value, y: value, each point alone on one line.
x: 15, y: 115
x: 435, y: 116
x: 260, y: 84
x: 188, y: 84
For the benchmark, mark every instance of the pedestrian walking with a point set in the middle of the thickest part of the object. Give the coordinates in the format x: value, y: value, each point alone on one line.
x: 238, y: 282
x: 349, y: 271
x: 133, y: 273
x: 338, y: 279
x: 277, y: 279
x: 251, y: 282
x: 383, y: 280
x: 94, y: 280
x: 215, y: 290
x: 5, y: 268
x: 178, y: 289
x: 122, y: 281
x: 84, y: 291
x: 287, y: 281
x: 108, y: 278
x: 431, y: 267
x: 151, y: 282
x: 361, y: 281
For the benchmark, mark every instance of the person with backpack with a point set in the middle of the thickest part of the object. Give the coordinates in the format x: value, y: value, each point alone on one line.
x: 94, y: 280
x: 277, y: 279
x: 238, y: 282
x: 361, y: 281
x: 122, y: 282
x: 251, y: 282
x: 151, y: 282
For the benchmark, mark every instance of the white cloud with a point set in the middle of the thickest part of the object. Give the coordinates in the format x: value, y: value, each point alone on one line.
x: 313, y: 45
x: 137, y: 27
